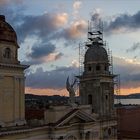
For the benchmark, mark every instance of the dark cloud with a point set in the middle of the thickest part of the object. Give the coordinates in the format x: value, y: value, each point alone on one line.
x: 42, y: 50
x: 134, y: 47
x: 123, y: 23
x: 54, y: 79
x: 35, y: 25
x: 45, y: 28
x: 42, y: 53
x: 34, y: 61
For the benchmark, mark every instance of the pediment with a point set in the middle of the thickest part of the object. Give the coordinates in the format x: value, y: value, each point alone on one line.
x: 73, y: 117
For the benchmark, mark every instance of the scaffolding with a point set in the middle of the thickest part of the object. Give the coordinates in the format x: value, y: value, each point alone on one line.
x: 94, y: 36
x: 117, y: 89
x: 82, y: 50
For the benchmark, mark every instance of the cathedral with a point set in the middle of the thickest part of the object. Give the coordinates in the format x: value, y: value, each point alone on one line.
x: 93, y: 118
x: 11, y: 78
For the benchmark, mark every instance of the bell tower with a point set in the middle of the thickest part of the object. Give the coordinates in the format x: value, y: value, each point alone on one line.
x: 11, y: 78
x: 96, y: 82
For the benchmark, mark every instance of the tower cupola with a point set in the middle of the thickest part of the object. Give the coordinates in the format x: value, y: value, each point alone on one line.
x: 96, y: 81
x: 96, y: 59
x: 8, y: 42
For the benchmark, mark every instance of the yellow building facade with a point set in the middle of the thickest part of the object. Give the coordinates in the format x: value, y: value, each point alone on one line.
x: 12, y: 110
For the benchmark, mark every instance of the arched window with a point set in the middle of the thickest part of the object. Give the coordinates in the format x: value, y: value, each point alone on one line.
x: 7, y: 53
x: 89, y: 99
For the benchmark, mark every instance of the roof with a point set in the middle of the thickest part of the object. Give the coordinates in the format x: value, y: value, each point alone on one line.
x: 75, y: 113
x: 96, y: 53
x: 7, y: 33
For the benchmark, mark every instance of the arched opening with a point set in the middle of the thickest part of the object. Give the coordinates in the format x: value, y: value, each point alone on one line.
x: 89, y: 99
x: 7, y: 53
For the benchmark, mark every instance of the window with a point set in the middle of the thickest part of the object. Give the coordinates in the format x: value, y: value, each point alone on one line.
x: 105, y: 68
x: 7, y: 53
x: 90, y: 99
x: 109, y: 131
x: 106, y: 96
x: 89, y: 68
x: 97, y: 67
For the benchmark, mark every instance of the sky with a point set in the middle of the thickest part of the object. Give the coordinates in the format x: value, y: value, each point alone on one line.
x: 49, y: 33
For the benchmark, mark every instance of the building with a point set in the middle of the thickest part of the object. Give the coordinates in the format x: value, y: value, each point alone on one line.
x: 11, y: 78
x: 97, y: 80
x: 93, y: 118
x: 129, y: 124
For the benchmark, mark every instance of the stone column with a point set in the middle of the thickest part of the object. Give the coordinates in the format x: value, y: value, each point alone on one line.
x: 1, y: 98
x: 16, y: 98
x: 22, y: 98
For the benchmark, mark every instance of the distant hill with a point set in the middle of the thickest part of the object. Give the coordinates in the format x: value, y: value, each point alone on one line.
x: 130, y: 96
x: 64, y: 98
x: 45, y: 97
x: 41, y: 101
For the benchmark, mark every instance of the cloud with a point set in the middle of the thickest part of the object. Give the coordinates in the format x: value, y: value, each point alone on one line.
x: 49, y: 26
x: 76, y: 8
x: 77, y: 5
x: 54, y: 79
x: 5, y: 2
x: 41, y: 25
x: 76, y: 30
x: 123, y: 23
x: 41, y: 50
x: 54, y: 56
x: 60, y: 19
x: 129, y: 72
x: 133, y: 48
x: 42, y: 53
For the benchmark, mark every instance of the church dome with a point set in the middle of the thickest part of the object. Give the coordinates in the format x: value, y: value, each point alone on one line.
x: 96, y: 53
x: 7, y: 33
